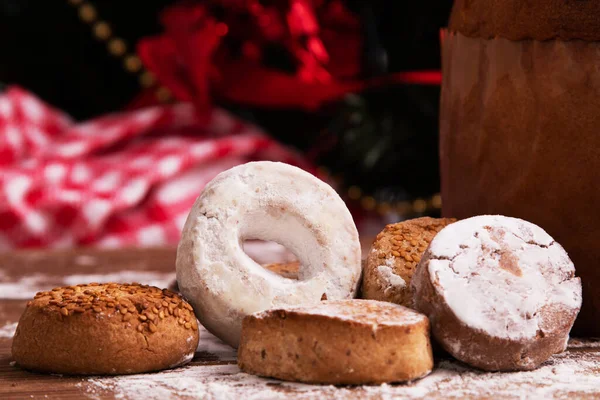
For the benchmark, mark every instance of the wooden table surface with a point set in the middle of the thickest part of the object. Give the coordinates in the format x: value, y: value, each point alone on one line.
x: 213, y: 374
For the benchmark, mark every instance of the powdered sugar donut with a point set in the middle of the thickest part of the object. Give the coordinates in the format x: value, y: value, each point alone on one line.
x: 500, y: 293
x: 267, y: 201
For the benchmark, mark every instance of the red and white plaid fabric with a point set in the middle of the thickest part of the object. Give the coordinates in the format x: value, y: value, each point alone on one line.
x: 126, y: 179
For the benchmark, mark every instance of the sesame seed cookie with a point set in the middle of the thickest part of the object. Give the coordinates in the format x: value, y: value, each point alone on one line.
x: 105, y: 329
x: 394, y: 256
x: 339, y: 342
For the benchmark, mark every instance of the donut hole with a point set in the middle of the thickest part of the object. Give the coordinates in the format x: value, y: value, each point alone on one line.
x: 273, y: 257
x: 291, y: 229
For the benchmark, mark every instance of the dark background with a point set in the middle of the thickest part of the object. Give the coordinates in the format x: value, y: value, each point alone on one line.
x: 391, y: 153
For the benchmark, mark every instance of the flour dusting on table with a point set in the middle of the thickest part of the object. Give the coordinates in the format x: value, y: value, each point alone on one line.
x: 8, y: 330
x: 26, y: 287
x: 211, y: 347
x: 578, y: 343
x: 562, y: 376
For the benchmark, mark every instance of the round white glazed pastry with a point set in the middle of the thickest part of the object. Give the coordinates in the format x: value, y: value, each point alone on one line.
x: 500, y: 293
x: 267, y: 201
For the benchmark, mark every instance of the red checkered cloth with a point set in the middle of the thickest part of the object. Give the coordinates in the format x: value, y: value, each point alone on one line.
x: 126, y: 179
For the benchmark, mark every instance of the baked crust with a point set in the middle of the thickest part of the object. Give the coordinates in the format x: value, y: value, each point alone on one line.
x: 394, y: 256
x: 518, y: 19
x: 337, y: 342
x: 105, y: 329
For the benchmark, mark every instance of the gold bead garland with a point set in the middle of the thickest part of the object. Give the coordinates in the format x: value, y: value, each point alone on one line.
x: 146, y: 79
x: 402, y: 208
x: 117, y: 47
x: 102, y: 30
x: 132, y: 64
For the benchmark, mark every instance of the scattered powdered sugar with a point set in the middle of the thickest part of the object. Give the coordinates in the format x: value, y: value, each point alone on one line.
x: 388, y: 277
x: 186, y: 358
x: 579, y: 343
x: 453, y: 236
x: 8, y: 330
x: 23, y: 288
x: 369, y: 312
x: 566, y: 375
x: 211, y: 346
x: 26, y: 287
x: 86, y: 260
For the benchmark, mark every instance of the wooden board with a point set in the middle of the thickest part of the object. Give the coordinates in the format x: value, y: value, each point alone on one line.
x: 213, y: 374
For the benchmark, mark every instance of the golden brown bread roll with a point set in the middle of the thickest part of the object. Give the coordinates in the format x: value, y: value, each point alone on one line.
x: 105, y: 329
x: 337, y: 342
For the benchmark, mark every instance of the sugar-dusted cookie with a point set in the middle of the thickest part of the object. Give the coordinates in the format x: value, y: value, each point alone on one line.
x: 273, y: 202
x: 500, y: 293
